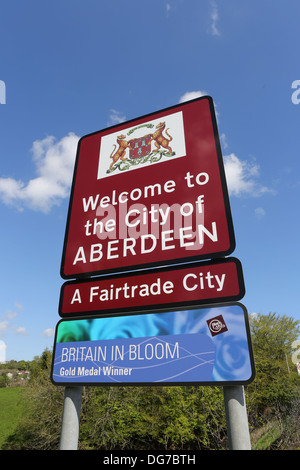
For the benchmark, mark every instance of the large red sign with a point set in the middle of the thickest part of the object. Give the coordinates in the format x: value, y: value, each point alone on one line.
x: 199, y: 283
x: 149, y: 192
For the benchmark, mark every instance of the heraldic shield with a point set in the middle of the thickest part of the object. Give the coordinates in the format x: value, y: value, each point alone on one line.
x: 140, y: 147
x: 122, y: 151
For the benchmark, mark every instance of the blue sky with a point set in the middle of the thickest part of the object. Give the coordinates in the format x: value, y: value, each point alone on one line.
x: 72, y: 67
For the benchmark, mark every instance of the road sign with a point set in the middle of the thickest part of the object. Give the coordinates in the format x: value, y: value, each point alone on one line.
x: 149, y: 192
x: 202, y: 346
x: 198, y: 283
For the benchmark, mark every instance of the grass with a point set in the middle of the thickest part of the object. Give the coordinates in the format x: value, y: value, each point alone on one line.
x: 264, y: 437
x: 12, y: 408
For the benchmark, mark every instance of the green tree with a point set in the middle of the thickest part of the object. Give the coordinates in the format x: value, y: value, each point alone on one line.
x: 22, y: 365
x: 276, y: 376
x: 40, y: 364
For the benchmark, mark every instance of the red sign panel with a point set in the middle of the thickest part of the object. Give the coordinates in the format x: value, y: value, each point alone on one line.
x: 197, y: 284
x: 149, y: 192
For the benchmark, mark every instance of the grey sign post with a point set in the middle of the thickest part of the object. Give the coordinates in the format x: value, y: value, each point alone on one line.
x: 71, y: 418
x: 236, y: 418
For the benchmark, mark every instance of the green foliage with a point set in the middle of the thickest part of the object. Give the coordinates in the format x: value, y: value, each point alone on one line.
x: 276, y: 377
x: 152, y: 418
x: 20, y: 365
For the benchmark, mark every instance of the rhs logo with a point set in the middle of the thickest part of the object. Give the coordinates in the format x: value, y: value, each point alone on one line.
x: 2, y: 92
x: 217, y: 325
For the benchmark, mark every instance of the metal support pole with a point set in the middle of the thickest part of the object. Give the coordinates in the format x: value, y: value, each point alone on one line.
x: 236, y: 418
x: 70, y: 419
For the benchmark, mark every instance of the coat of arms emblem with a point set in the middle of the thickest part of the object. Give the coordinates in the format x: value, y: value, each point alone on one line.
x: 138, y: 146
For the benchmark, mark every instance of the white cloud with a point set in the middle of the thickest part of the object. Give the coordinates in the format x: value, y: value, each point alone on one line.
x: 21, y: 330
x: 4, y: 326
x: 223, y: 140
x: 191, y: 95
x: 115, y: 117
x: 54, y: 161
x: 19, y: 306
x: 214, y: 18
x: 49, y: 332
x: 260, y: 212
x: 10, y: 314
x: 242, y: 177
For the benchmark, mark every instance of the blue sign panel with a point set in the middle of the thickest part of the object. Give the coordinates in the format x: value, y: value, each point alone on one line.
x: 207, y: 346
